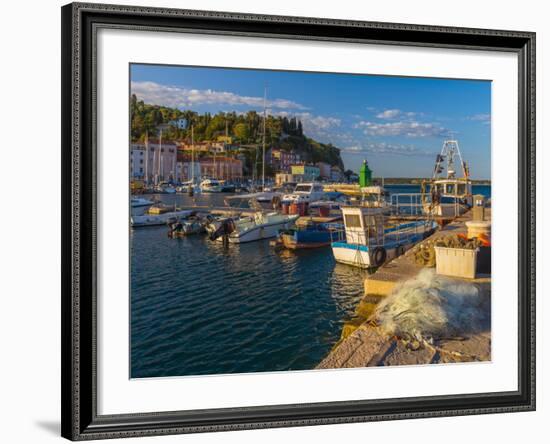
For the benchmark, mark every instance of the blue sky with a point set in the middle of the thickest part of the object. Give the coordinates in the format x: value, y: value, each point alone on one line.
x: 397, y: 123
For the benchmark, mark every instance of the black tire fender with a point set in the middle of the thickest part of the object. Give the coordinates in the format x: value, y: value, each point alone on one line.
x: 378, y: 256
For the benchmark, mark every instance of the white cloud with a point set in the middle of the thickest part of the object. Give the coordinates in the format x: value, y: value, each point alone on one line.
x: 483, y: 118
x: 389, y: 114
x: 177, y: 97
x: 402, y: 128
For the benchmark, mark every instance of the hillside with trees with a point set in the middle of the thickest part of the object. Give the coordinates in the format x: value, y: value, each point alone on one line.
x: 245, y: 129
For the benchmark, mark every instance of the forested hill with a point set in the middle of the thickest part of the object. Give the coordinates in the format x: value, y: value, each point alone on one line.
x: 245, y: 129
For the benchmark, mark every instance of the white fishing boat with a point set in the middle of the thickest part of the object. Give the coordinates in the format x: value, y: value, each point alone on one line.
x: 256, y: 227
x: 305, y: 192
x: 211, y: 186
x: 449, y: 196
x: 140, y: 205
x: 366, y: 241
x: 149, y: 220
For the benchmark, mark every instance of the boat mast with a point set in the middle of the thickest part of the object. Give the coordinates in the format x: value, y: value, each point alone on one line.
x: 160, y: 171
x: 263, y: 142
x: 192, y: 156
x: 147, y: 158
x: 449, y: 151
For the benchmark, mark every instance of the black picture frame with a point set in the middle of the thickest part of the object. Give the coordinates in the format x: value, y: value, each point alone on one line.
x: 80, y: 420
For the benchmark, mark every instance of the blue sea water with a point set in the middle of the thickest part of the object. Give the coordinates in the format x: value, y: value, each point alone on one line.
x: 199, y: 307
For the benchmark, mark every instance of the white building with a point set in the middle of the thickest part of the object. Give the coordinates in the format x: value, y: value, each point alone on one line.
x: 153, y: 162
x: 180, y: 123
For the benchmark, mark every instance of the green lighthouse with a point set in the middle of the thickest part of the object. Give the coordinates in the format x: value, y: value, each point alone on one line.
x: 365, y: 175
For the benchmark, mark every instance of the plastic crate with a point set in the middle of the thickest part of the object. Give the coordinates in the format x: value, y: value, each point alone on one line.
x: 456, y: 262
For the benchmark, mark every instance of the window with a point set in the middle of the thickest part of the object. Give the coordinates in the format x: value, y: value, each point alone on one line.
x: 353, y: 221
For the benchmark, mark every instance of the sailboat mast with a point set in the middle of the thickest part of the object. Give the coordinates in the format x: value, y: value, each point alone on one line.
x: 263, y: 143
x: 146, y: 158
x: 160, y: 171
x: 192, y: 156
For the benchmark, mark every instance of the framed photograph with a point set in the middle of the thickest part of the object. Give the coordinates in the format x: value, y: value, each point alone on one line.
x: 282, y: 221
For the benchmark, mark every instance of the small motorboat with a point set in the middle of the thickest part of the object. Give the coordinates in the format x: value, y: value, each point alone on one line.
x: 150, y: 220
x: 190, y: 225
x: 309, y: 235
x: 140, y: 205
x: 256, y: 227
x: 211, y: 186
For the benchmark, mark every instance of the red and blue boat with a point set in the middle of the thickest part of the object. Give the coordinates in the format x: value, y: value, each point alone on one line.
x: 309, y: 234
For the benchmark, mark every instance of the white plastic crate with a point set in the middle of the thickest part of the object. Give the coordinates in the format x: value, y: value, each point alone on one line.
x: 456, y: 262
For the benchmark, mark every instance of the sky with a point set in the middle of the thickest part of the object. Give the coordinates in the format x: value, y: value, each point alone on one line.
x: 397, y: 123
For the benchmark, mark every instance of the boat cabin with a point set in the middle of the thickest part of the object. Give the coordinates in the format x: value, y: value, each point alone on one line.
x: 363, y: 225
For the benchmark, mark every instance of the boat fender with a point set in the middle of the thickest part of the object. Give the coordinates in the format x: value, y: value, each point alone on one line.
x: 378, y: 256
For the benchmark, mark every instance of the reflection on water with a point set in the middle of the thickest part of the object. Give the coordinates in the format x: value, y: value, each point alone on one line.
x: 199, y: 307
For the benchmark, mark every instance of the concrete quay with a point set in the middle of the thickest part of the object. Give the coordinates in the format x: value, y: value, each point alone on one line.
x: 364, y: 344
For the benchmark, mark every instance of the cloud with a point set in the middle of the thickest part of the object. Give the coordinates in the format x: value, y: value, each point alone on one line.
x: 402, y: 128
x: 389, y: 114
x: 392, y: 149
x: 483, y: 118
x: 177, y: 97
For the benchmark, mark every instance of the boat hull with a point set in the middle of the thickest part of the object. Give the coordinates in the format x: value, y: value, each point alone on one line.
x: 140, y: 210
x: 149, y: 220
x: 266, y: 231
x: 299, y: 239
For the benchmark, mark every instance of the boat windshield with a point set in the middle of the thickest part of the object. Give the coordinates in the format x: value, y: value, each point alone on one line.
x: 303, y: 189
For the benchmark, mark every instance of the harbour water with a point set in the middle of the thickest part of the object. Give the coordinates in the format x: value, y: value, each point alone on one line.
x: 199, y: 307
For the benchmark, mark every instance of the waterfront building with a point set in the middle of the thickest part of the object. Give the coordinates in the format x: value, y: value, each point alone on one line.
x: 335, y: 173
x: 324, y: 169
x: 305, y: 173
x: 282, y: 160
x: 205, y: 147
x: 221, y: 167
x: 153, y: 161
x: 282, y: 178
x: 185, y: 166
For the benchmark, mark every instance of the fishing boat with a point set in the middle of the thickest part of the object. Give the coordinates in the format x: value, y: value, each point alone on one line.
x: 256, y: 227
x: 149, y: 220
x: 309, y: 234
x: 449, y: 196
x: 211, y: 186
x: 305, y: 192
x: 367, y: 242
x: 140, y: 205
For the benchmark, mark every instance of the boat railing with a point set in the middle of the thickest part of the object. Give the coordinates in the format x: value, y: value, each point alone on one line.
x: 409, y: 204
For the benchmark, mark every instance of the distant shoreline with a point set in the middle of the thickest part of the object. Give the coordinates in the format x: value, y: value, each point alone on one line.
x: 418, y: 181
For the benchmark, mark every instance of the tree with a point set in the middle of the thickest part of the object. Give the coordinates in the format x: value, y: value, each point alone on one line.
x: 242, y: 132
